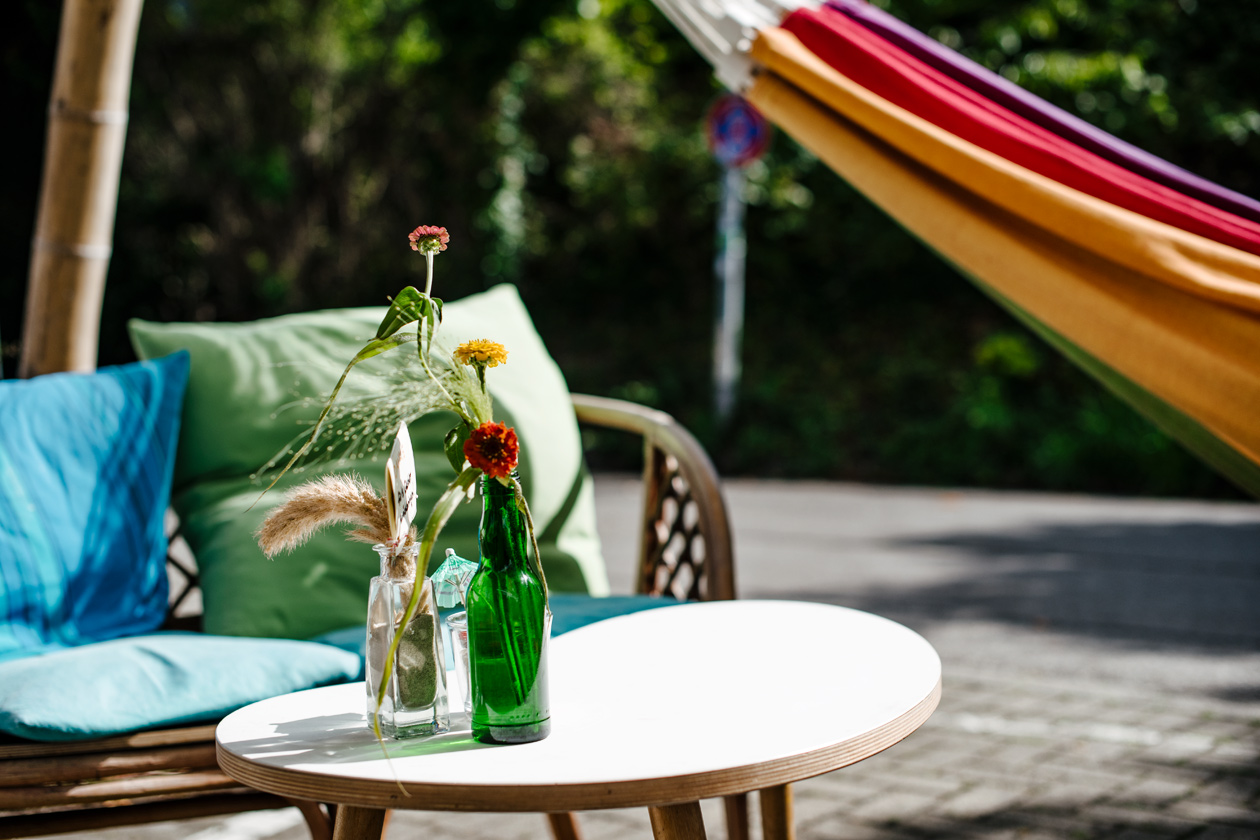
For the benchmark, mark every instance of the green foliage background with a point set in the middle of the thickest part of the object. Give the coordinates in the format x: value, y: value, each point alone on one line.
x: 280, y: 150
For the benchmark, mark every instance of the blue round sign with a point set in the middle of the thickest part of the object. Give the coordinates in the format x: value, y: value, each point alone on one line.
x: 738, y: 133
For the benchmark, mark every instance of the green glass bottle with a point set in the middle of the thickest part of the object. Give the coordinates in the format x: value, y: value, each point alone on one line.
x: 509, y: 623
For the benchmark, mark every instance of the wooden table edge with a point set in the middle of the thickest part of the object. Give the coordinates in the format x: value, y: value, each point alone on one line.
x: 379, y: 793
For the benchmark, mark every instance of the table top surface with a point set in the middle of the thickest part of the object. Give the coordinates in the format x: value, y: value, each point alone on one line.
x: 658, y: 707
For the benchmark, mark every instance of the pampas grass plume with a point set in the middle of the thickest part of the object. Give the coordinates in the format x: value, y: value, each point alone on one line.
x: 311, y: 506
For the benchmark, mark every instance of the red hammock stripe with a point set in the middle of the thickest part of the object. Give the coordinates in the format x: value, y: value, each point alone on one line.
x: 1050, y: 117
x: 909, y: 83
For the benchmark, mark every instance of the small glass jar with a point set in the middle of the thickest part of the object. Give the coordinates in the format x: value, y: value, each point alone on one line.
x: 415, y: 700
x: 458, y: 624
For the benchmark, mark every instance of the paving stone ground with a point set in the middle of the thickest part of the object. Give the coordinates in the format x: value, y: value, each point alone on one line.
x: 1102, y: 666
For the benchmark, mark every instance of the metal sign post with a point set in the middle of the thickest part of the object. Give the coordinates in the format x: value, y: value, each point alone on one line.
x: 728, y: 268
x: 738, y: 135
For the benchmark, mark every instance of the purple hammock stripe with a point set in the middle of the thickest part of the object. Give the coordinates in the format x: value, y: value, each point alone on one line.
x: 1033, y: 108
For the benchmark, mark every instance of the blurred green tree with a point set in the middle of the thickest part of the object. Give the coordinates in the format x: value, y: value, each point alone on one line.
x: 279, y: 152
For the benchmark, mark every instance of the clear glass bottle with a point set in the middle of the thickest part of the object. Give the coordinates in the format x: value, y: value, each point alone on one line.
x: 415, y: 702
x: 509, y: 624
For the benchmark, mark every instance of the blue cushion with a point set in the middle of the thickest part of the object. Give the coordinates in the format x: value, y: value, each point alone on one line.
x: 162, y: 679
x: 569, y: 611
x: 85, y: 478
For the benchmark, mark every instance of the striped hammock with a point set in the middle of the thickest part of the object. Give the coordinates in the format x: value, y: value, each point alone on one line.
x: 1145, y: 275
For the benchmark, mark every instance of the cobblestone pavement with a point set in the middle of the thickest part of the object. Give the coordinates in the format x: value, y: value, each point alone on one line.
x: 1102, y: 666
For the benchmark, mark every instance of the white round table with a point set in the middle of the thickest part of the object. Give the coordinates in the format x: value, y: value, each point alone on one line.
x: 660, y: 708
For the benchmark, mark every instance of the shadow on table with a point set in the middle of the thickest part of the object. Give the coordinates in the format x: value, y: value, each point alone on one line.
x: 345, y: 739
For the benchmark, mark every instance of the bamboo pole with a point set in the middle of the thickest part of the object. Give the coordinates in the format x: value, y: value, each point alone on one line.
x: 87, y: 124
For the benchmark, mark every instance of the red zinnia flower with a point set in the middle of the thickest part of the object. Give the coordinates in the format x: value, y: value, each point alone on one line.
x: 429, y: 239
x: 492, y: 448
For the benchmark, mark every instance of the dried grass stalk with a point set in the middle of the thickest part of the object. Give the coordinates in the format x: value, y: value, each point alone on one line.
x: 333, y: 498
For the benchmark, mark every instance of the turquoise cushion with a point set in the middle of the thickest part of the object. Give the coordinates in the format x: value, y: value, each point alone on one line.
x: 569, y: 612
x: 163, y: 679
x: 85, y: 479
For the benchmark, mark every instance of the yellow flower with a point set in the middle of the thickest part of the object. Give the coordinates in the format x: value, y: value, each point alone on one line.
x: 481, y: 353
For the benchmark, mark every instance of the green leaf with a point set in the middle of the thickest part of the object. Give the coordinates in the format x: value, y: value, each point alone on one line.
x: 407, y: 306
x: 453, y: 444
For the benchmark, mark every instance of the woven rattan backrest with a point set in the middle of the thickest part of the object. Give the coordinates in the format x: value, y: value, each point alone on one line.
x: 183, y: 607
x: 685, y: 548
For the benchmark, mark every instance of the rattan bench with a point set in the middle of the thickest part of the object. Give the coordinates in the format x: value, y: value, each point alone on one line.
x: 685, y: 551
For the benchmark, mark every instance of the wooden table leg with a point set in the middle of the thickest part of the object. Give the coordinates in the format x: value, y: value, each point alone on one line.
x: 677, y: 822
x: 776, y: 813
x: 318, y: 820
x: 737, y: 816
x: 564, y: 826
x: 359, y: 823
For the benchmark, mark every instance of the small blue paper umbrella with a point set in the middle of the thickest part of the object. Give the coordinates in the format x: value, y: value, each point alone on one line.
x: 450, y: 580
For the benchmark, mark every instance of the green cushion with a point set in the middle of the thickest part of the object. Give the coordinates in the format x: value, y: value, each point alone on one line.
x: 163, y: 679
x: 255, y: 387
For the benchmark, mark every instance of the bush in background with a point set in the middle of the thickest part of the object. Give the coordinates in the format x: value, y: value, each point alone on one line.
x: 280, y: 151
